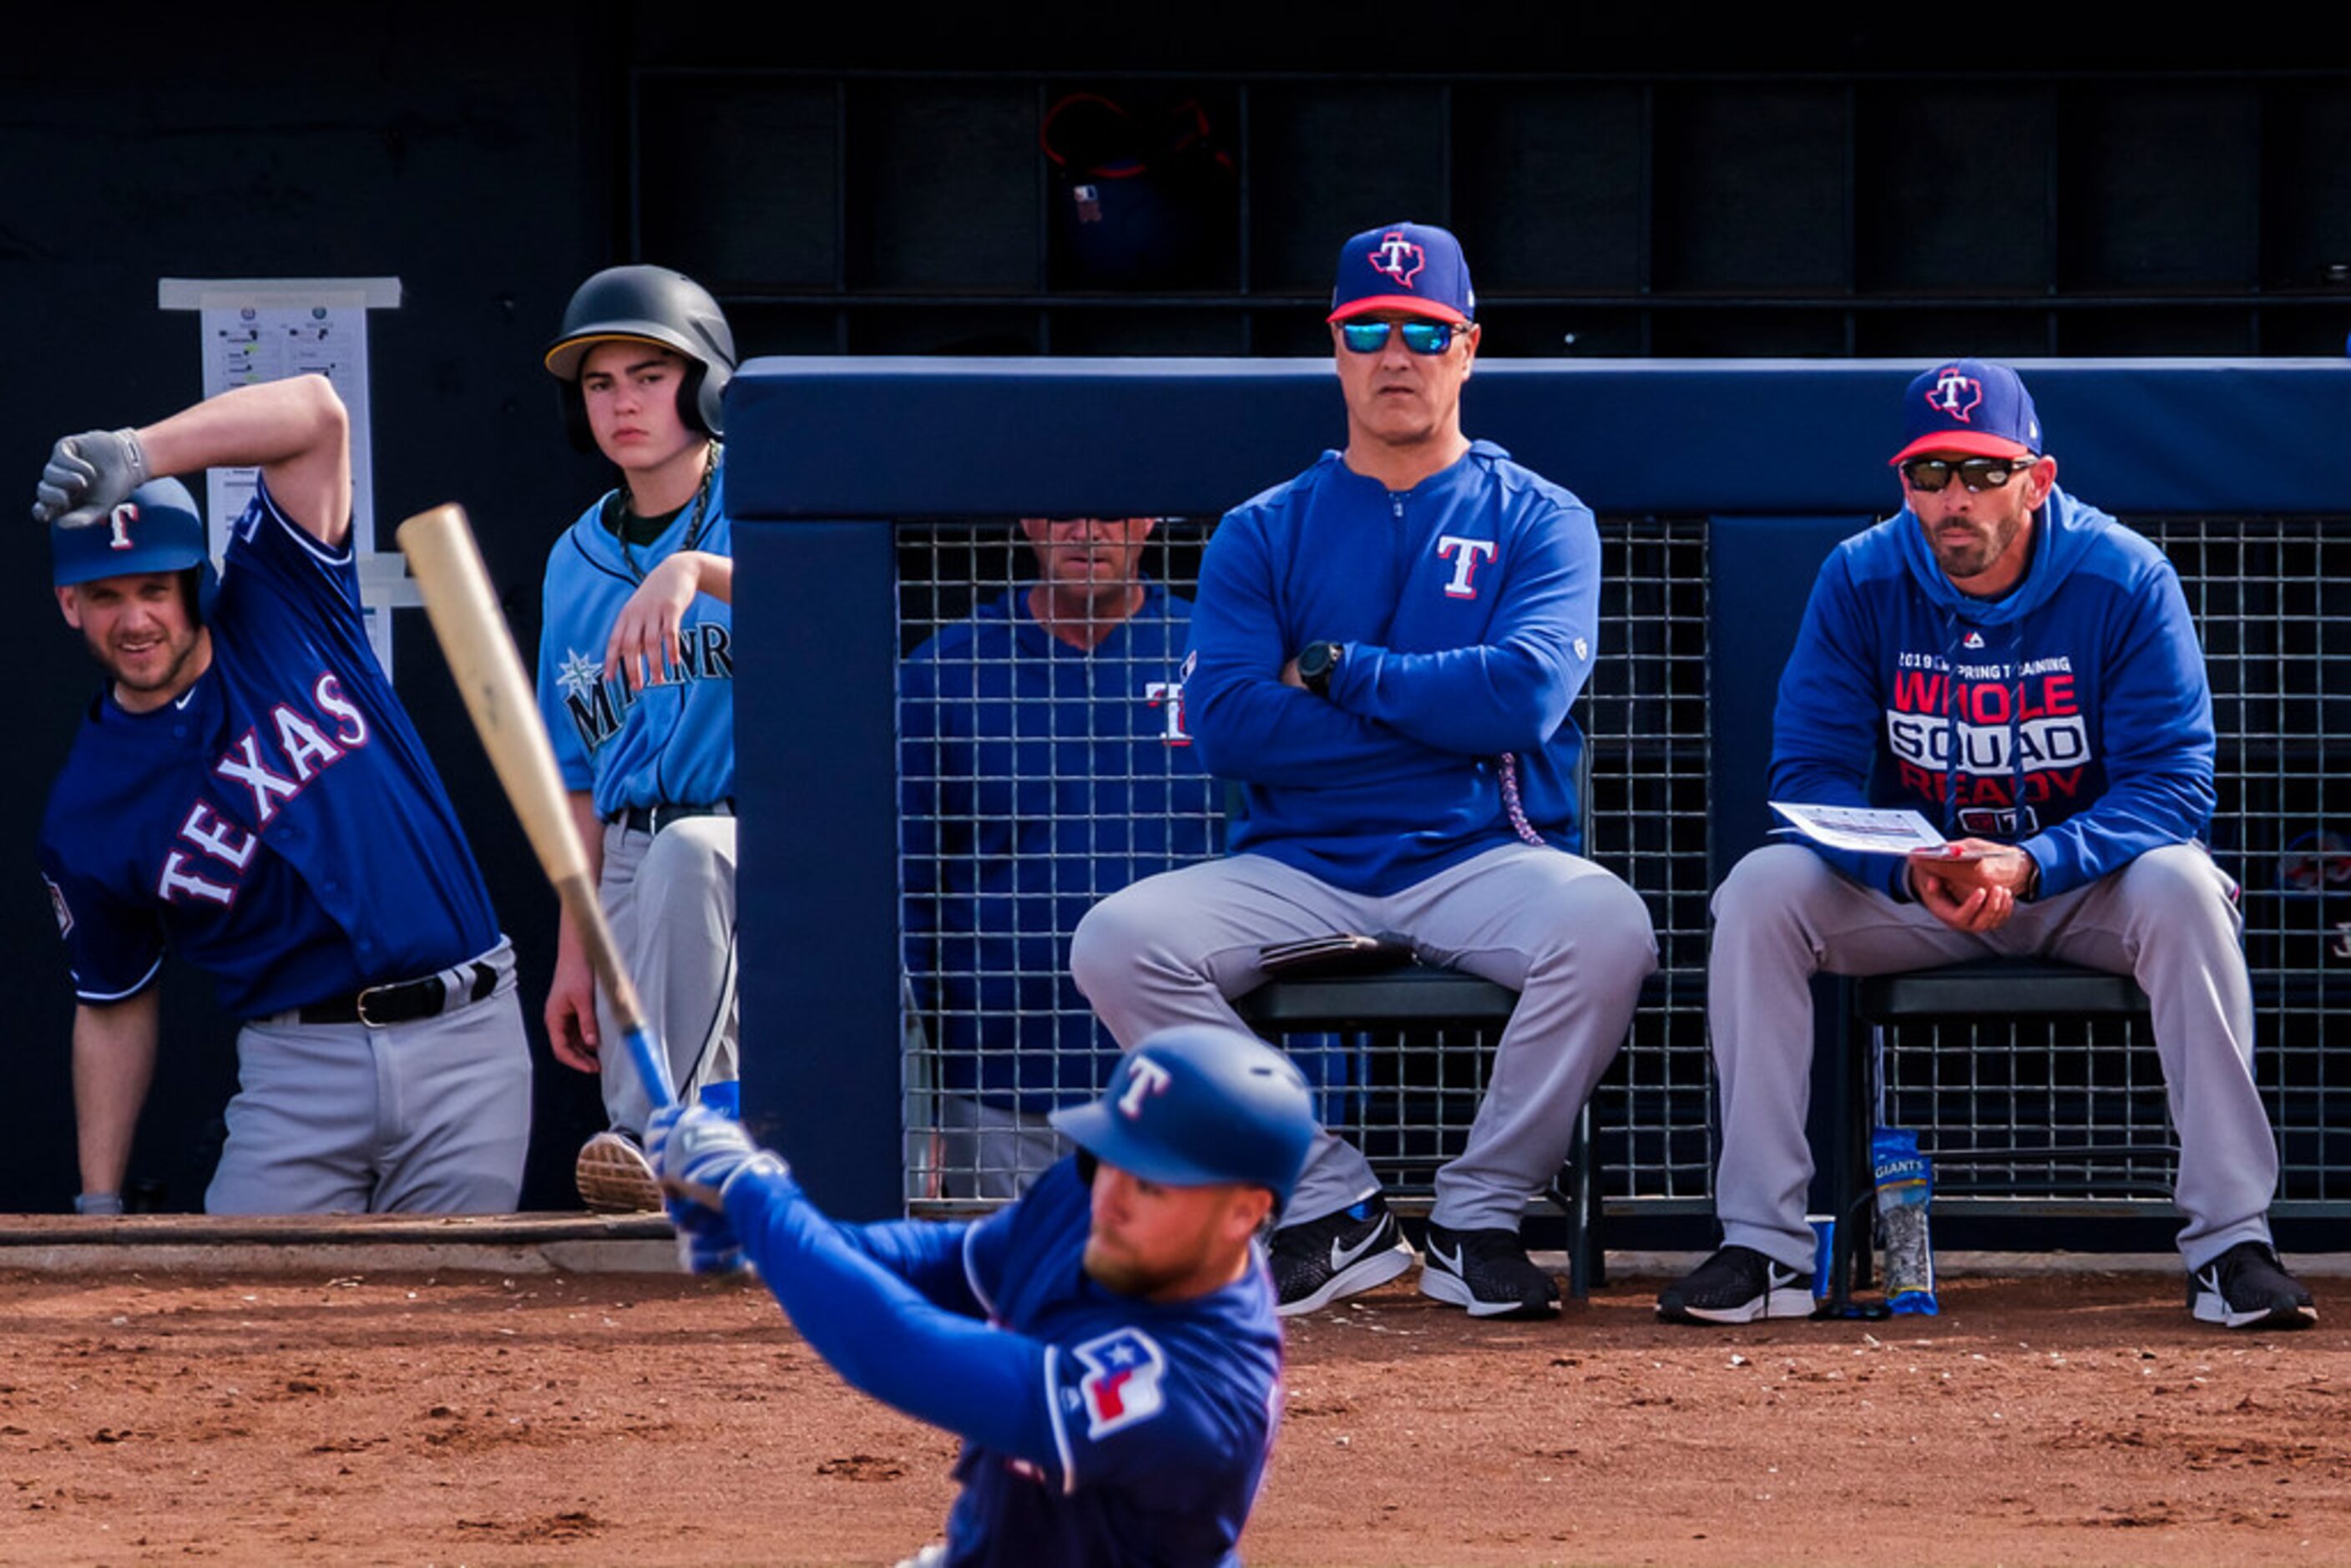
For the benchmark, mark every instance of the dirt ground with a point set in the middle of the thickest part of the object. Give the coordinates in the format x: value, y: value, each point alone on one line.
x: 647, y: 1420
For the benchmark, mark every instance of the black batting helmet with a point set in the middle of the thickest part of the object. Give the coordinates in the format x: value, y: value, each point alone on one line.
x: 647, y: 305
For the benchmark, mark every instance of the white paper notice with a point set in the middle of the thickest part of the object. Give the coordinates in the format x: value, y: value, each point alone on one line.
x: 266, y: 329
x: 1861, y: 828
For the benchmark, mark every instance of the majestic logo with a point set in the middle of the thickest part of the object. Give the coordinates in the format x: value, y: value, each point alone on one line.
x: 1972, y: 641
x: 1398, y: 258
x: 1955, y: 396
x: 1145, y: 1077
x: 60, y: 907
x: 1465, y: 555
x: 1122, y: 1385
x: 598, y: 706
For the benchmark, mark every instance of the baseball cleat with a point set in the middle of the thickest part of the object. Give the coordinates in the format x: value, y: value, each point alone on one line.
x: 1486, y: 1272
x: 2247, y: 1287
x: 1320, y: 1260
x: 614, y: 1176
x: 1737, y: 1285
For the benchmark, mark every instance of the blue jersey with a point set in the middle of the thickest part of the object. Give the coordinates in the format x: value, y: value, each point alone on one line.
x: 1098, y: 1429
x: 279, y: 824
x: 1469, y: 607
x: 1036, y: 779
x: 672, y: 744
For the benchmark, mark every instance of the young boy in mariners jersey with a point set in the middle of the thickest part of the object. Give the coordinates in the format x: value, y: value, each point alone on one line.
x: 636, y: 685
x: 247, y: 790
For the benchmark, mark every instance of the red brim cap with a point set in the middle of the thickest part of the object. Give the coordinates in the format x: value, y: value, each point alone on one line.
x: 1411, y: 304
x: 1974, y: 443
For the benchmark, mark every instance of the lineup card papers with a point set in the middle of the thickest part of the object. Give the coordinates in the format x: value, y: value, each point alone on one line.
x: 1864, y: 828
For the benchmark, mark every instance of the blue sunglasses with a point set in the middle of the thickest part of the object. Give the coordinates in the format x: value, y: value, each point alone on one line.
x: 1420, y: 337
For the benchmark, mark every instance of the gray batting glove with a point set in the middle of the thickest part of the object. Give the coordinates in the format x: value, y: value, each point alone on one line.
x: 88, y: 476
x: 90, y: 1203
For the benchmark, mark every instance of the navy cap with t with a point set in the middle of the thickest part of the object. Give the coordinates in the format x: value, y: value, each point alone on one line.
x: 1972, y: 406
x: 1413, y: 267
x: 157, y: 528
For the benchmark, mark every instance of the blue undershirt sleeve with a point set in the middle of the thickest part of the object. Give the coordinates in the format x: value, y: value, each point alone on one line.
x: 883, y: 1334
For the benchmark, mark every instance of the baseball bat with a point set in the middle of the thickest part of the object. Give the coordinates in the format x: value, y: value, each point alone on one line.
x: 447, y: 565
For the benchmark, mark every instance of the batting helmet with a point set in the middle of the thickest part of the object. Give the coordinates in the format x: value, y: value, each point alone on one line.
x: 156, y: 529
x: 647, y: 305
x: 1196, y: 1105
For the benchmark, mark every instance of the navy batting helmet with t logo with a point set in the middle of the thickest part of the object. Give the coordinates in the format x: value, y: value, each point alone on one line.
x: 1198, y: 1106
x: 155, y: 529
x: 647, y: 305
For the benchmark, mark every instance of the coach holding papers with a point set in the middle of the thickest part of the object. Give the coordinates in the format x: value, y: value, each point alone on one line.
x: 2020, y: 669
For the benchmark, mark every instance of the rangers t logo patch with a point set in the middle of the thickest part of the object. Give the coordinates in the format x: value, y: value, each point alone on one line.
x: 1398, y: 258
x: 1122, y: 1385
x: 1955, y: 395
x: 1465, y: 556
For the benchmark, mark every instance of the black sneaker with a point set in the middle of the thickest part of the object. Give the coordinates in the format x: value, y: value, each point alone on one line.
x: 1737, y: 1285
x: 1487, y: 1271
x: 1319, y: 1260
x: 2247, y: 1287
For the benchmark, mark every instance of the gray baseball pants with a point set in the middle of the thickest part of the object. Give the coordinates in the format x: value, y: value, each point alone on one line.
x: 2169, y: 920
x: 671, y: 899
x: 428, y: 1117
x: 1571, y: 939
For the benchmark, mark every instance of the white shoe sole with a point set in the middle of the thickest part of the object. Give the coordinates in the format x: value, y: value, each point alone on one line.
x: 1452, y: 1289
x: 1373, y: 1269
x: 1785, y: 1301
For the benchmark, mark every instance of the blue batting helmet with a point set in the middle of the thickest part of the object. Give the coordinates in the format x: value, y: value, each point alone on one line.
x: 1198, y: 1105
x: 156, y: 529
x: 647, y: 305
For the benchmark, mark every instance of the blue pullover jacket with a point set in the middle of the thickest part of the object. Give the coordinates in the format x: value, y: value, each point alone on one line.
x: 1468, y: 607
x: 2071, y: 717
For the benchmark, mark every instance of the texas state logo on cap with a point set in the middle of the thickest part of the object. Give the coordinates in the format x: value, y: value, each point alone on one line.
x: 1417, y: 267
x: 1972, y: 406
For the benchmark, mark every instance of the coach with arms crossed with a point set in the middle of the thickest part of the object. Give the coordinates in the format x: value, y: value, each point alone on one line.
x: 248, y: 789
x: 1384, y: 650
x: 2019, y: 668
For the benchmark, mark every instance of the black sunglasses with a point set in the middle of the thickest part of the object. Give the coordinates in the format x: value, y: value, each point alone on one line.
x: 1931, y: 474
x: 1420, y: 337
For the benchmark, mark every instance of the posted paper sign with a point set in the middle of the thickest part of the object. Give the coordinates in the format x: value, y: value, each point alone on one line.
x: 1864, y: 828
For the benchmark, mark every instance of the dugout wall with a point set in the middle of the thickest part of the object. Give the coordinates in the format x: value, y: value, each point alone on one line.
x: 875, y: 497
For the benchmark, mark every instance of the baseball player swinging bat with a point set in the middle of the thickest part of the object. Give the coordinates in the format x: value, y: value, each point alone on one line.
x: 448, y: 568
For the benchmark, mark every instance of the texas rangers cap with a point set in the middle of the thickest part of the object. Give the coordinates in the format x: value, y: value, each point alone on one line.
x: 1972, y: 406
x: 157, y: 528
x: 1403, y: 267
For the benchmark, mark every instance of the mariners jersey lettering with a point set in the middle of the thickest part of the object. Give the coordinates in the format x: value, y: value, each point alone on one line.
x: 672, y: 743
x: 280, y: 823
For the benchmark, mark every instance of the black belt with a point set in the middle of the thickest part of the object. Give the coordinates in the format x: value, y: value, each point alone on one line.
x: 654, y: 819
x: 406, y: 1001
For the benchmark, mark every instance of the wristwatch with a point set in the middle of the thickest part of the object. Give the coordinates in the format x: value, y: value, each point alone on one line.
x: 1316, y: 664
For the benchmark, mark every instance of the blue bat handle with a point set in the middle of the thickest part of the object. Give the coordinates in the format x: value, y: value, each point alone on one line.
x: 651, y: 1067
